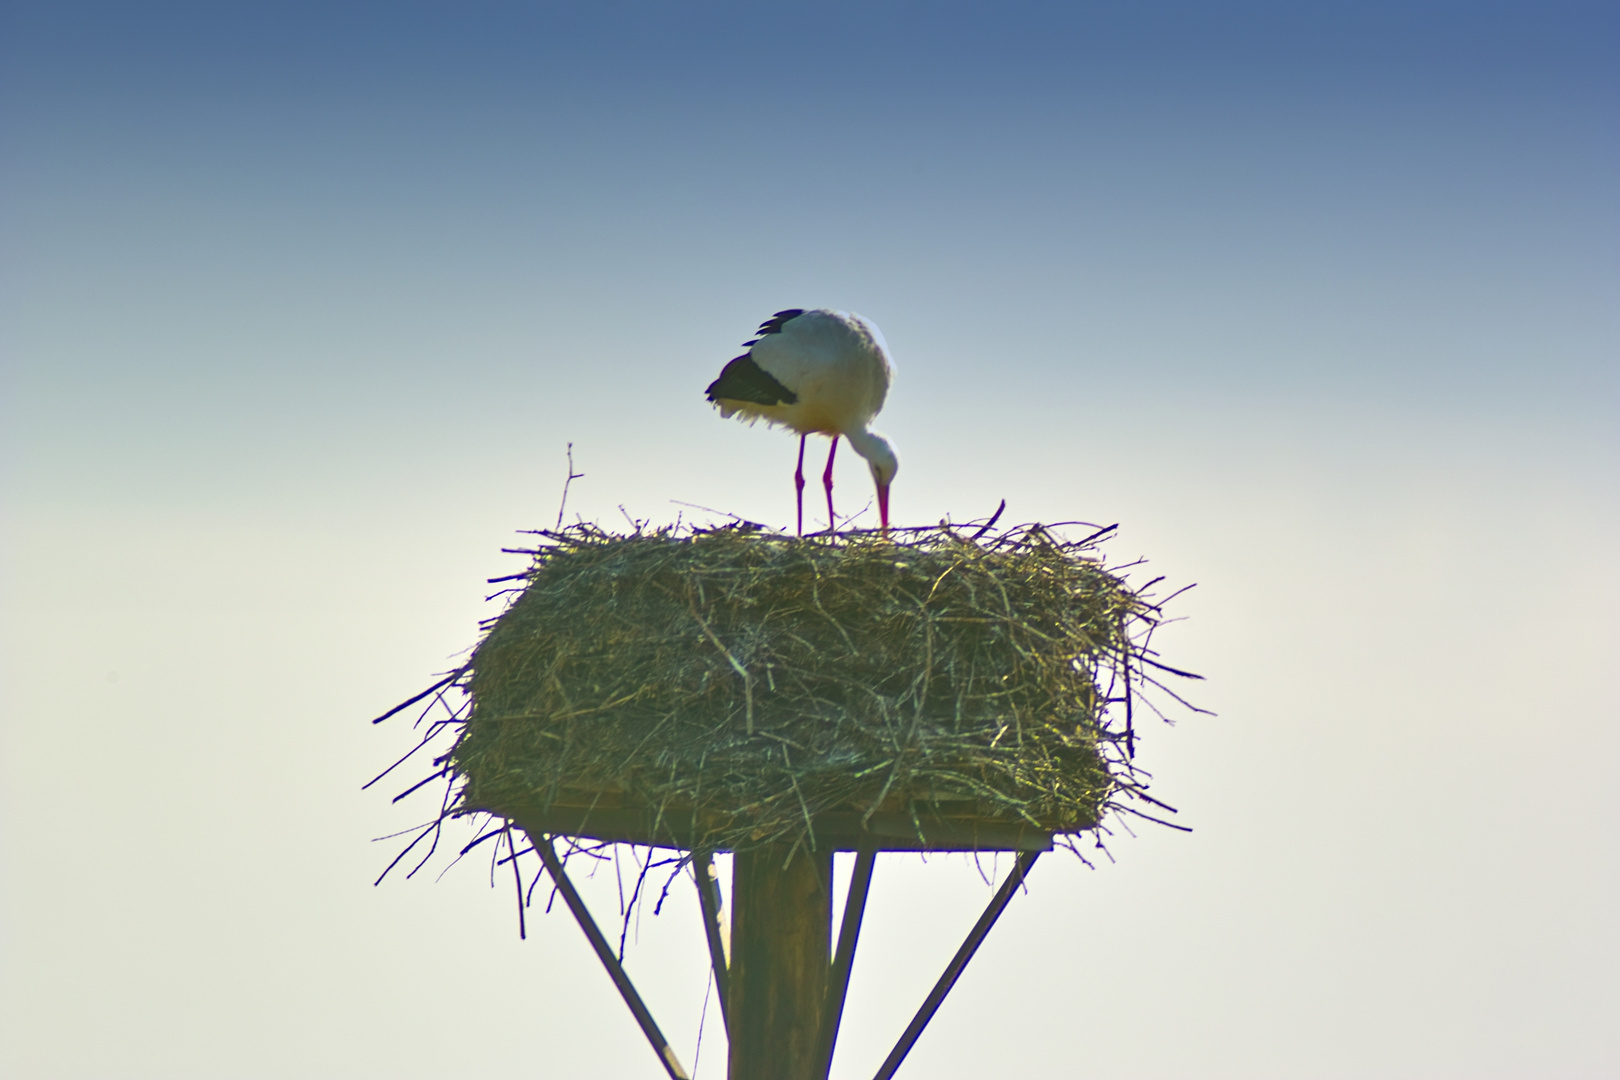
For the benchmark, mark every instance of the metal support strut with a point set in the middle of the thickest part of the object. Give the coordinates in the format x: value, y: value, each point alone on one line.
x: 849, y: 932
x: 604, y: 952
x: 975, y: 938
x: 837, y: 979
x: 714, y: 929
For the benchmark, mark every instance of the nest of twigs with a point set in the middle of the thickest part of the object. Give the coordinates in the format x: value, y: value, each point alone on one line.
x: 755, y: 683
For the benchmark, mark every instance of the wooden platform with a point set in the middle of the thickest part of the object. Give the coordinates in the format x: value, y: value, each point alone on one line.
x: 923, y: 826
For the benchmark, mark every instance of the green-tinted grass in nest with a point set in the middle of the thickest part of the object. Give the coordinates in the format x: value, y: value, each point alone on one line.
x: 754, y: 681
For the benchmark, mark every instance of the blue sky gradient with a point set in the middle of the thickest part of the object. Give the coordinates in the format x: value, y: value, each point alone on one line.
x: 301, y: 304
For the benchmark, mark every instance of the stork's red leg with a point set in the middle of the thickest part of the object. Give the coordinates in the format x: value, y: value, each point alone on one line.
x: 798, y: 483
x: 826, y: 482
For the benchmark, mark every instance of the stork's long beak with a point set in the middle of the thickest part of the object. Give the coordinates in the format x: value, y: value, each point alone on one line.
x: 883, y: 506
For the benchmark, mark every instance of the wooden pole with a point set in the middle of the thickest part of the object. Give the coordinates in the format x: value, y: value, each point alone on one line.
x: 781, y: 945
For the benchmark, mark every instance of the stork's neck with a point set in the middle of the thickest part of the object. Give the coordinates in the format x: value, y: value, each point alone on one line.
x: 877, y: 450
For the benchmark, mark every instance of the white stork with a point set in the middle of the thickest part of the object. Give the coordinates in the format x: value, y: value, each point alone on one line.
x: 817, y: 372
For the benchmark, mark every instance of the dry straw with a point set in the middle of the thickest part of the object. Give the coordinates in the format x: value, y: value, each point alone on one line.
x: 748, y: 683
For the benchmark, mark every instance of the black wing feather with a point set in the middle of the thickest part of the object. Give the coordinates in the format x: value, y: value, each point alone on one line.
x: 744, y: 380
x: 774, y: 324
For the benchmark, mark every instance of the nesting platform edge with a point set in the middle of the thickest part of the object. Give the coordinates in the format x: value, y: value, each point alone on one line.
x: 889, y: 830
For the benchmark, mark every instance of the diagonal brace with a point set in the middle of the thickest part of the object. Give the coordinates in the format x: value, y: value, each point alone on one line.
x: 604, y: 952
x: 953, y: 971
x: 849, y: 932
x: 714, y: 927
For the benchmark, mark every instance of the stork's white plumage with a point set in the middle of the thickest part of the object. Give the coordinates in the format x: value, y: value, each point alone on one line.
x: 818, y: 372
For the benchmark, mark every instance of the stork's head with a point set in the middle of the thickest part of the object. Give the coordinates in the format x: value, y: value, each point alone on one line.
x: 881, y: 458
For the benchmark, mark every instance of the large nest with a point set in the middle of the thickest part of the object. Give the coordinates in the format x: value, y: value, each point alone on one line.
x: 752, y: 685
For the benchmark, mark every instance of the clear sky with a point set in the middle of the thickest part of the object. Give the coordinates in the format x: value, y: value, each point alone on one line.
x: 301, y: 305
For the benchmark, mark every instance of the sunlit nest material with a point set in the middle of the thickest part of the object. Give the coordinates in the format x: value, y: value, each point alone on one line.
x: 725, y: 689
